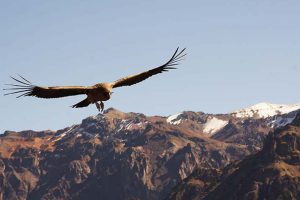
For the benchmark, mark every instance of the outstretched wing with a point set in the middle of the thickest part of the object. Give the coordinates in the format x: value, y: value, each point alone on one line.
x: 24, y: 88
x: 133, y: 79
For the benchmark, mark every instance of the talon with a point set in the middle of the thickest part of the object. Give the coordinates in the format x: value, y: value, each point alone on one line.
x: 98, y: 106
x: 102, y: 106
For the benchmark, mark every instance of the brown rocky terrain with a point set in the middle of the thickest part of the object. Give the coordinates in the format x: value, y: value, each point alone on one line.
x: 119, y: 155
x: 272, y: 173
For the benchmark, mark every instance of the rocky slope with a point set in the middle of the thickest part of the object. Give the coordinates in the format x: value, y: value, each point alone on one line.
x: 272, y: 173
x: 127, y: 155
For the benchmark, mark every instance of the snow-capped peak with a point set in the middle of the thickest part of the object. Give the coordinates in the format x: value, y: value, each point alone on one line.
x: 263, y: 110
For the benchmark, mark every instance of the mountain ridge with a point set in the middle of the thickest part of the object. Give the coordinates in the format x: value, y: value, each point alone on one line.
x: 272, y: 173
x: 141, y: 157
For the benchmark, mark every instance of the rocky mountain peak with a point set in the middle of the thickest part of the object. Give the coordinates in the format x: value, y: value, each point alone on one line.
x: 111, y: 111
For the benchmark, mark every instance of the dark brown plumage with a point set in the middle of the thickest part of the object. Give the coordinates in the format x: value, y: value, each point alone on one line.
x: 96, y: 93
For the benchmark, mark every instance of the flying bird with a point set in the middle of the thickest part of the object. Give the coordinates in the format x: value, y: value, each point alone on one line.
x: 97, y: 93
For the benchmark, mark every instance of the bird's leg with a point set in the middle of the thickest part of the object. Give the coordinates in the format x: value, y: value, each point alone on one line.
x: 98, y: 106
x: 102, y: 106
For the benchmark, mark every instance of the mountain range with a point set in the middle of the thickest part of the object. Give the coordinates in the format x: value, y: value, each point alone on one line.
x: 250, y: 153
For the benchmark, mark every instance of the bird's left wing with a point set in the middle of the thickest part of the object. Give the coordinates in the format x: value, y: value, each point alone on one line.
x: 24, y: 88
x: 133, y: 79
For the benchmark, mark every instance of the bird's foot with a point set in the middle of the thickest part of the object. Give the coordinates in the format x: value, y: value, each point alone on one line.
x: 98, y: 106
x: 102, y: 106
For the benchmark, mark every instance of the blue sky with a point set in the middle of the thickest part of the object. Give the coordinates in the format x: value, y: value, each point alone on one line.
x: 239, y: 53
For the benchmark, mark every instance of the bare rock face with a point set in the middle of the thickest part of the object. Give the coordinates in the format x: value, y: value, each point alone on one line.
x: 272, y: 173
x: 197, y: 185
x: 284, y: 144
x: 119, y: 155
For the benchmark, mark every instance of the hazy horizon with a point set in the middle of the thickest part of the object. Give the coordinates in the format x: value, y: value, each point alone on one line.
x: 239, y: 54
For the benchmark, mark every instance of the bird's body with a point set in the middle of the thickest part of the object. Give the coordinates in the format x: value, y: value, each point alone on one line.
x: 100, y: 92
x: 97, y: 93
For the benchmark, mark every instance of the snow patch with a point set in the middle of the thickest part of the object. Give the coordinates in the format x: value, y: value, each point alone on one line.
x: 173, y: 119
x: 213, y: 125
x: 264, y: 110
x: 63, y: 134
x: 130, y: 125
x: 176, y: 122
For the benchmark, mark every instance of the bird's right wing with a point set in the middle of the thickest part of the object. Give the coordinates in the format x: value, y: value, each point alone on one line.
x: 136, y: 78
x: 24, y: 88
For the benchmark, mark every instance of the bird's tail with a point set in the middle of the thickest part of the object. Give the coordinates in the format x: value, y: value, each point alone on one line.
x: 81, y: 104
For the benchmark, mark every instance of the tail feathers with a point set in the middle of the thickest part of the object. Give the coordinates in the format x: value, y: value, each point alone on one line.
x: 81, y: 104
